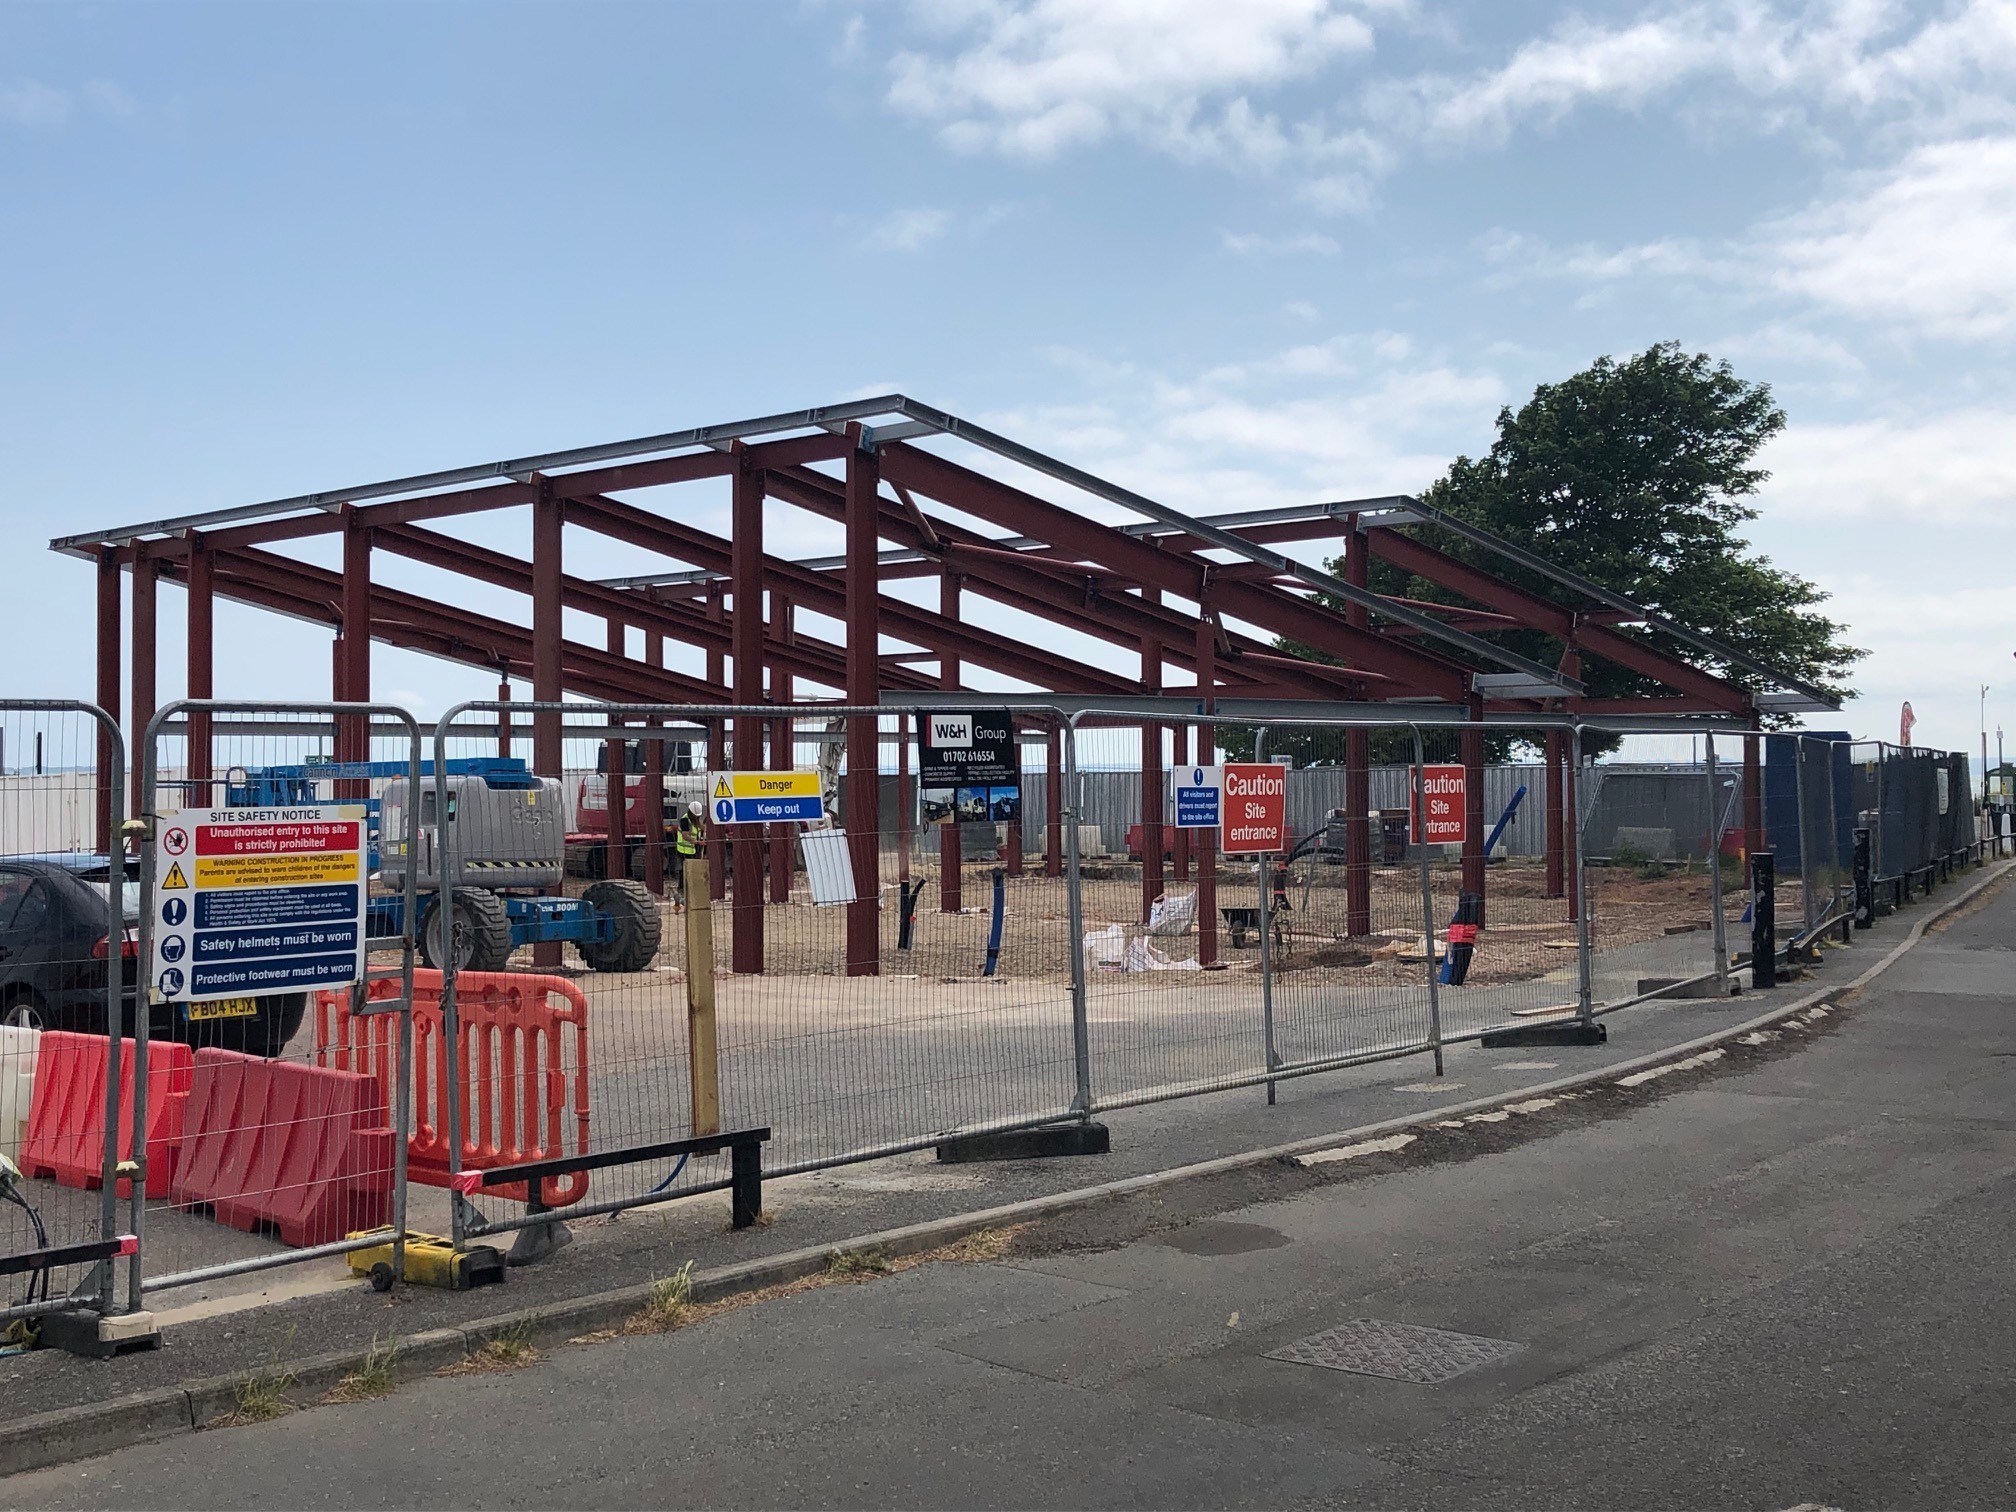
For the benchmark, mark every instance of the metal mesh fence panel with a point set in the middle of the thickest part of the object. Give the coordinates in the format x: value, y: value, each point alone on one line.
x: 875, y: 970
x: 66, y: 915
x: 1653, y: 844
x: 274, y: 1083
x: 1171, y: 935
x: 1822, y: 874
x: 1521, y: 904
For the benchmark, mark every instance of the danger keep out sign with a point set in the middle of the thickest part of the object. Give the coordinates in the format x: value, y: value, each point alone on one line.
x: 252, y: 901
x: 1256, y: 807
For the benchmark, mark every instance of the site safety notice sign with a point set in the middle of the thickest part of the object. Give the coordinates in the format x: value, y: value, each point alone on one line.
x: 249, y: 901
x: 1256, y: 807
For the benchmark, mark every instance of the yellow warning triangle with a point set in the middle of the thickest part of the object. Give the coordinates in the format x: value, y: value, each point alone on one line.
x: 722, y: 789
x: 174, y: 877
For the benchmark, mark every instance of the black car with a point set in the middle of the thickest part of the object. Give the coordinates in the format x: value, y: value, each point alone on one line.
x: 54, y: 947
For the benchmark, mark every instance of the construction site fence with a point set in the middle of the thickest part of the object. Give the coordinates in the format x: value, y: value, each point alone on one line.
x: 886, y: 968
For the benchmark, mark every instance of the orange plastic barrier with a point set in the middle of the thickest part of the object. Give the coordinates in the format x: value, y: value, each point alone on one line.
x: 301, y: 1148
x: 515, y: 1072
x: 66, y: 1120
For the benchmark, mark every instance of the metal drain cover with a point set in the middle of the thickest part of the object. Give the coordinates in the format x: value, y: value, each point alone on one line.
x: 1396, y: 1351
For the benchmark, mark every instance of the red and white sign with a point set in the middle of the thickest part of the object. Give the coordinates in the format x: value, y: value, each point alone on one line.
x: 1441, y: 807
x: 1256, y: 807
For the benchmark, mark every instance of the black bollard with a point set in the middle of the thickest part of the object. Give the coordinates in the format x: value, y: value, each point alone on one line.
x: 1865, y: 886
x: 1763, y: 920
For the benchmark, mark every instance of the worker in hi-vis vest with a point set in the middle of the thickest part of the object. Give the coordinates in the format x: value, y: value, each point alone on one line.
x: 688, y: 838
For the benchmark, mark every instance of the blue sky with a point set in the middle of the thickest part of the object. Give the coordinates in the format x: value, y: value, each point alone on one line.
x: 1228, y: 254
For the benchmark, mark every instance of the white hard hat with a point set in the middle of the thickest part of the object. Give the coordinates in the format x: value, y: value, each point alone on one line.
x: 695, y: 809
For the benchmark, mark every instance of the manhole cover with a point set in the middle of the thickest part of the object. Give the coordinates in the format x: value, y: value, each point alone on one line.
x: 1397, y: 1351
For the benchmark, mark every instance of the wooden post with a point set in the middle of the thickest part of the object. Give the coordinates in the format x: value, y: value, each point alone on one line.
x: 702, y: 1050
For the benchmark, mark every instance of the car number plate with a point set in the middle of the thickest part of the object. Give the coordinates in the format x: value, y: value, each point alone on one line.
x: 223, y: 1008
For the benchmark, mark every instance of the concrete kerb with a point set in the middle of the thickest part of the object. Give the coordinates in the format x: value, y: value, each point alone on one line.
x: 71, y: 1433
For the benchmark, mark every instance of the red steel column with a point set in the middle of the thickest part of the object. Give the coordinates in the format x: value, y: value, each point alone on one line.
x: 864, y: 796
x: 1053, y: 806
x: 353, y: 653
x: 1207, y: 755
x: 717, y: 746
x: 1179, y: 842
x: 548, y: 523
x: 951, y: 853
x: 198, y: 682
x: 655, y: 836
x: 616, y: 789
x: 109, y: 586
x: 1153, y: 777
x: 1557, y: 747
x: 1473, y: 804
x: 504, y: 715
x: 146, y: 696
x: 746, y: 631
x: 1357, y: 762
x: 782, y: 757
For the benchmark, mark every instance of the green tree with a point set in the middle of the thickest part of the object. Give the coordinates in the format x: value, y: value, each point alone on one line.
x: 1637, y: 474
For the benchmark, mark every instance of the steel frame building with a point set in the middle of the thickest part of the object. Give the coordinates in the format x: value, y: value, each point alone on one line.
x: 1207, y: 597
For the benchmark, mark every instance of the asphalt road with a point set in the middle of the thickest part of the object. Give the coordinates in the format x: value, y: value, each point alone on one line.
x: 1783, y: 1281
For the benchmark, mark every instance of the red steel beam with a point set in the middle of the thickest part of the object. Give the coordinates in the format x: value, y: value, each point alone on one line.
x: 421, y: 624
x: 1283, y: 613
x: 1118, y: 618
x: 1537, y: 613
x: 826, y: 594
x: 202, y: 589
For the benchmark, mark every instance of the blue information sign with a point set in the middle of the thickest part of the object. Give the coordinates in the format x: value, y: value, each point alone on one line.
x: 1198, y: 794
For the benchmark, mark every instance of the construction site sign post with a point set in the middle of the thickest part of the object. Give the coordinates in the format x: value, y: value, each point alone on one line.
x: 250, y: 901
x: 1256, y: 808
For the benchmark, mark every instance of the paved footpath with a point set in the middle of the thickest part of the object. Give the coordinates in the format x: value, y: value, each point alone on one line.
x: 1784, y: 1280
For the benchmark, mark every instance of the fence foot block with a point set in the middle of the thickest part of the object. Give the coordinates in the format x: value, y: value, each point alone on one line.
x: 99, y: 1337
x: 1706, y: 987
x: 1570, y: 1032
x: 1027, y: 1144
x: 536, y: 1241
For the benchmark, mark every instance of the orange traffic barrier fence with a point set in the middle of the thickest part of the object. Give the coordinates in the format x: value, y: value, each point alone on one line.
x: 302, y: 1149
x: 521, y: 1087
x: 66, y: 1120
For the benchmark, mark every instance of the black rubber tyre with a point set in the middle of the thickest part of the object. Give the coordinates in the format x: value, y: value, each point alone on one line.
x: 635, y: 914
x: 482, y: 931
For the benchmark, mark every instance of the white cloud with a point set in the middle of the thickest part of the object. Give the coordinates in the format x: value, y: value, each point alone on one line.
x: 1192, y: 78
x: 1359, y: 414
x: 909, y: 230
x: 1954, y: 467
x: 1032, y: 79
x: 1923, y: 246
x: 1253, y: 243
x: 31, y: 103
x: 1930, y: 243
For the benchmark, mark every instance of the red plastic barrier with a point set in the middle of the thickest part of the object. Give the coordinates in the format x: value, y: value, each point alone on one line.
x: 515, y: 1072
x: 302, y: 1148
x: 66, y: 1121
